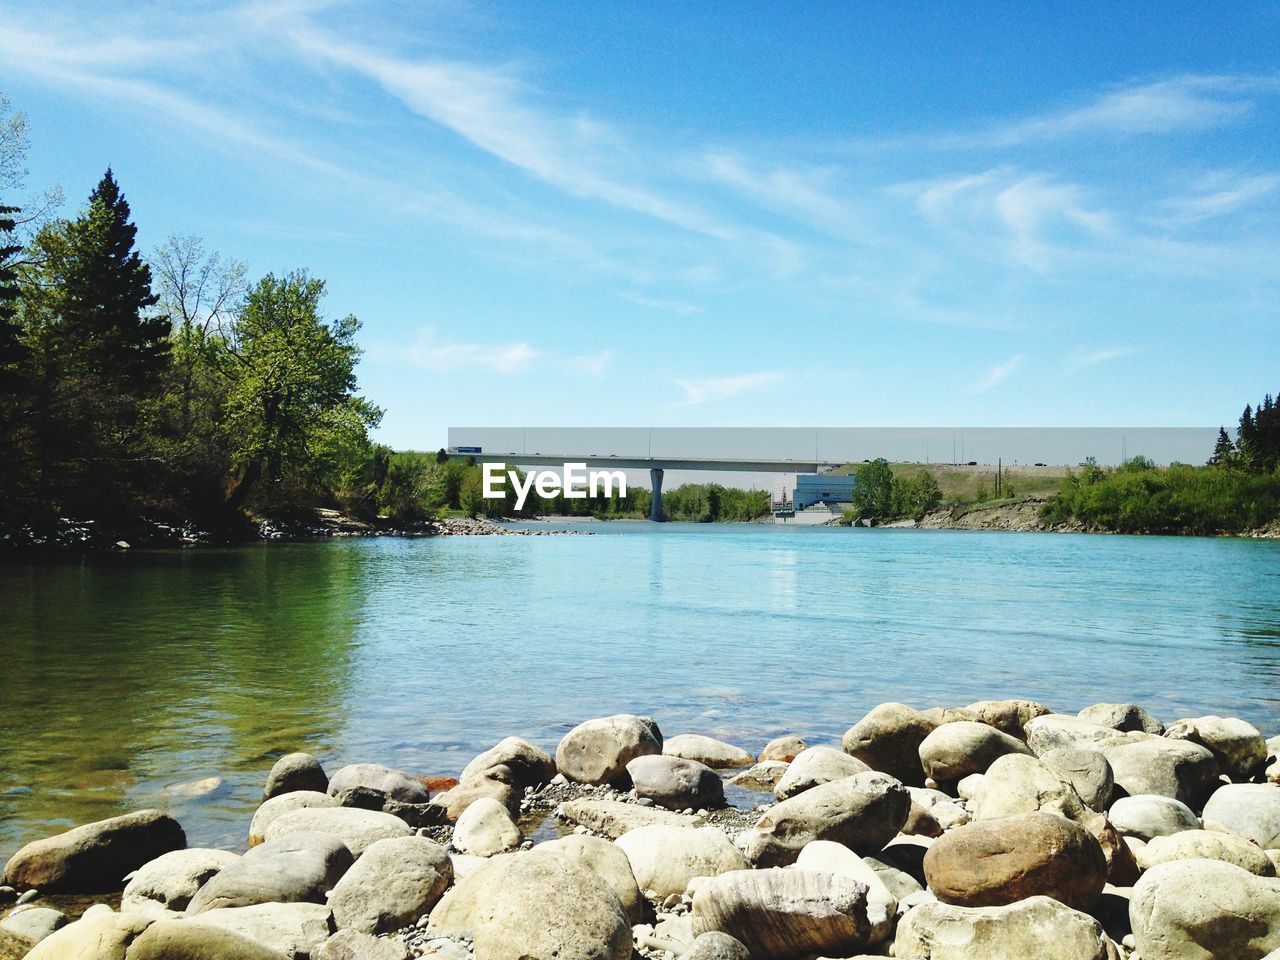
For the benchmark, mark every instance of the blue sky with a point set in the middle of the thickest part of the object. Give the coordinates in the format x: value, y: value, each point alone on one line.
x: 662, y: 214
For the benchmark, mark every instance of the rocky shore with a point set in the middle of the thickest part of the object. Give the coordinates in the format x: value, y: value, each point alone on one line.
x: 995, y: 831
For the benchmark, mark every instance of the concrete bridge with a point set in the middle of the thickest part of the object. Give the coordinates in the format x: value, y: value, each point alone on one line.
x: 656, y: 466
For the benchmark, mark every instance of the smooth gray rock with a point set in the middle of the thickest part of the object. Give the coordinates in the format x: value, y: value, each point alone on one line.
x: 1238, y: 746
x: 295, y: 771
x: 515, y: 761
x: 1038, y: 928
x: 101, y: 936
x: 717, y: 946
x: 34, y: 923
x: 485, y: 828
x: 823, y: 856
x: 1124, y: 717
x: 1056, y: 731
x: 814, y: 766
x: 714, y: 753
x: 294, y: 929
x: 183, y: 940
x: 354, y: 827
x: 607, y: 861
x: 397, y: 881
x: 782, y: 749
x: 764, y: 776
x: 297, y: 867
x: 676, y: 783
x: 613, y: 818
x: 955, y: 750
x: 1088, y: 772
x: 396, y: 784
x: 1206, y: 845
x: 1250, y: 810
x: 170, y: 881
x: 283, y: 803
x: 665, y: 859
x: 1169, y: 768
x: 888, y: 739
x: 1150, y: 815
x: 96, y: 856
x: 598, y: 751
x: 354, y: 945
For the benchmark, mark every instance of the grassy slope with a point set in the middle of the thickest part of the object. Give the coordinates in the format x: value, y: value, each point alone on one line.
x: 959, y: 484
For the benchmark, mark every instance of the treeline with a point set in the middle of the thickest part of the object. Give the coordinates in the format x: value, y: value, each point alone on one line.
x: 1238, y: 490
x: 879, y: 495
x: 168, y: 385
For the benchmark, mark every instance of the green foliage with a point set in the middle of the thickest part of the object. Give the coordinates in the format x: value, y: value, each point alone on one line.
x: 873, y: 491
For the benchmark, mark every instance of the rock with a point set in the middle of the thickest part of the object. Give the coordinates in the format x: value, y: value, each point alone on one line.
x: 1206, y: 845
x: 969, y: 788
x: 675, y: 783
x: 1249, y: 810
x: 396, y: 784
x: 607, y: 861
x: 354, y: 945
x: 284, y: 803
x: 1237, y: 746
x: 171, y: 880
x: 864, y: 812
x: 888, y: 739
x: 1169, y: 768
x: 1088, y: 772
x: 1204, y: 909
x: 814, y: 766
x: 15, y: 947
x: 1008, y: 716
x: 715, y: 945
x: 193, y: 790
x: 96, y: 856
x: 940, y: 808
x: 1016, y: 783
x: 940, y: 715
x: 1150, y: 815
x: 485, y: 828
x: 823, y: 856
x: 1122, y: 716
x: 955, y: 750
x: 993, y: 863
x: 182, y: 940
x: 784, y: 914
x: 34, y: 923
x: 900, y: 884
x: 456, y: 800
x: 293, y: 772
x: 294, y: 929
x: 396, y: 881
x: 614, y: 818
x: 536, y: 906
x: 598, y: 751
x: 714, y: 753
x: 1019, y: 931
x: 665, y: 859
x: 784, y: 749
x: 525, y: 765
x: 1056, y: 731
x: 356, y: 828
x: 764, y: 776
x: 104, y: 936
x: 295, y: 867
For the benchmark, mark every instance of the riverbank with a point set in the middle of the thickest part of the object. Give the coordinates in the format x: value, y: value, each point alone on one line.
x: 1000, y: 824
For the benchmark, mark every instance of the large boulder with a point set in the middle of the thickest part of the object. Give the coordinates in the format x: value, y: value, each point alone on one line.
x: 396, y: 881
x: 493, y: 784
x: 1125, y: 717
x: 664, y: 859
x: 180, y: 940
x: 1239, y: 747
x: 1206, y: 845
x: 1088, y: 772
x: 1169, y: 768
x: 284, y: 803
x: 607, y: 861
x: 676, y: 783
x: 782, y: 749
x: 993, y: 863
x: 170, y: 881
x: 1031, y: 929
x: 814, y: 766
x: 1150, y: 815
x: 1008, y: 716
x: 355, y: 827
x: 34, y: 923
x: 536, y: 906
x: 598, y: 751
x: 1018, y: 783
x: 294, y: 929
x: 955, y: 750
x: 888, y: 739
x: 1204, y: 910
x: 525, y: 765
x: 1250, y: 810
x: 714, y: 753
x: 764, y: 776
x: 1057, y: 731
x: 354, y: 945
x: 613, y: 818
x: 395, y: 784
x: 101, y: 936
x: 485, y: 828
x: 785, y: 914
x: 295, y: 771
x: 823, y: 856
x: 933, y: 809
x: 715, y: 945
x: 864, y: 812
x: 14, y: 946
x: 96, y: 856
x: 296, y: 867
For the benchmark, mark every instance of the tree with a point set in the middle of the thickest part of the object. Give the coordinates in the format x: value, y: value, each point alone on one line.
x: 293, y: 397
x: 1224, y: 450
x: 873, y: 490
x: 923, y: 494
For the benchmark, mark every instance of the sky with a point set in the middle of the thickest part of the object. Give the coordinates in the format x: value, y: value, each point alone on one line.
x: 708, y: 214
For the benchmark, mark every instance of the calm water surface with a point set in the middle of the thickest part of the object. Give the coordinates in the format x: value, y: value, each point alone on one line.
x: 124, y: 677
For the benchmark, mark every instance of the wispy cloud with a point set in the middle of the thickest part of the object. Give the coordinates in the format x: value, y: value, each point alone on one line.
x: 1221, y: 194
x: 591, y: 365
x: 997, y: 375
x: 1090, y: 358
x: 671, y: 306
x: 429, y: 353
x: 721, y: 388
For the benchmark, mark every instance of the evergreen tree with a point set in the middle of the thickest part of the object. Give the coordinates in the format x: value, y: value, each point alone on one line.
x: 1224, y: 450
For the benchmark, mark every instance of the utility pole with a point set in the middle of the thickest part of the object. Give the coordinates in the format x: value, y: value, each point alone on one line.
x: 999, y: 471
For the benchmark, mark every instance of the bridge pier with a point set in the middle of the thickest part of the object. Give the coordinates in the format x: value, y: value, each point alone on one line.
x: 655, y: 482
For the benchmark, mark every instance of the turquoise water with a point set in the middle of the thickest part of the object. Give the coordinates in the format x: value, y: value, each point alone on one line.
x: 125, y: 675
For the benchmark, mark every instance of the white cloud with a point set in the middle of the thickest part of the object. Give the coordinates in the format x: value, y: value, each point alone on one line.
x: 721, y: 388
x: 591, y: 365
x: 1089, y: 358
x: 506, y: 358
x: 997, y: 375
x: 1221, y: 195
x: 671, y: 306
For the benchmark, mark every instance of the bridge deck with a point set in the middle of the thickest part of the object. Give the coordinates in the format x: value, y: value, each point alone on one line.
x: 595, y: 461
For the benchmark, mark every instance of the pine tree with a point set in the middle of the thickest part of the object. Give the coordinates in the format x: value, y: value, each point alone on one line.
x: 1224, y: 450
